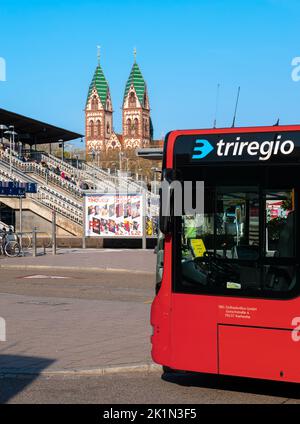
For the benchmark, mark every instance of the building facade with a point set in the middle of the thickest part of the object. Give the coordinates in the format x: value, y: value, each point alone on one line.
x: 137, y: 131
x: 98, y: 113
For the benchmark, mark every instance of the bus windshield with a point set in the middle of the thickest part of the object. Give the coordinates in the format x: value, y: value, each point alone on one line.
x: 243, y: 243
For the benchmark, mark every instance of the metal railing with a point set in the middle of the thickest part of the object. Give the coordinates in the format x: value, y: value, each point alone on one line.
x: 48, y: 197
x: 45, y: 173
x: 57, y: 203
x: 97, y: 177
x: 64, y: 166
x: 85, y: 174
x: 63, y: 204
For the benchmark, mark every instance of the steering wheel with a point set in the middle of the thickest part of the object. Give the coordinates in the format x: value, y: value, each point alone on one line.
x: 218, y: 271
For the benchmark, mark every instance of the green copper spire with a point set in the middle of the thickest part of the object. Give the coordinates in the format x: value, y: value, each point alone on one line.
x: 136, y: 78
x: 99, y: 82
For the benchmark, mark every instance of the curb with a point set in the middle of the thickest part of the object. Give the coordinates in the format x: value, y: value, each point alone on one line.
x: 75, y: 268
x: 93, y: 372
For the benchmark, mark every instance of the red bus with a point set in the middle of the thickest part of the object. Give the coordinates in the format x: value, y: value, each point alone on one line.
x: 228, y: 285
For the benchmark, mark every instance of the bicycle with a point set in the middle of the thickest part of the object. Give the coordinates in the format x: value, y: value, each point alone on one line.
x: 10, y: 245
x: 45, y: 238
x: 26, y: 240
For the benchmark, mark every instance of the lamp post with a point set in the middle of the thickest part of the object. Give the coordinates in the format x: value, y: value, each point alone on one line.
x: 121, y: 155
x: 61, y: 142
x: 155, y: 170
x: 11, y: 132
x: 12, y: 128
x: 98, y: 158
x: 20, y: 149
x: 3, y: 128
x: 114, y: 167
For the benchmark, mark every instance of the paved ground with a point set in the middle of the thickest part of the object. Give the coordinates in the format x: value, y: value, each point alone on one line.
x: 61, y: 319
x: 82, y: 321
x: 134, y: 260
x: 145, y: 388
x: 101, y: 285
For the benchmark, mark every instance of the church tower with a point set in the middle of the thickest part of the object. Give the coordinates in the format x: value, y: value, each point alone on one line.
x: 98, y: 113
x: 137, y: 126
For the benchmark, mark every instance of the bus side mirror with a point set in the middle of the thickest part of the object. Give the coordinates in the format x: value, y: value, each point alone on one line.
x: 166, y: 202
x: 165, y: 221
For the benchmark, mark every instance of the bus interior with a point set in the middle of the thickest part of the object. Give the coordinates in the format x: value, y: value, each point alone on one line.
x: 244, y: 243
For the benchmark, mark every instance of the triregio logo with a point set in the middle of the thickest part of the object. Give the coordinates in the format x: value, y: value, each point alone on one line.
x: 239, y: 148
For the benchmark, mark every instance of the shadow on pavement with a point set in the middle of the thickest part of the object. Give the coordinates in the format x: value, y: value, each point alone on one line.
x: 235, y: 384
x: 13, y: 367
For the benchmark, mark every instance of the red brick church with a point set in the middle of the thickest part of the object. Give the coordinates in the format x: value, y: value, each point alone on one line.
x: 137, y: 130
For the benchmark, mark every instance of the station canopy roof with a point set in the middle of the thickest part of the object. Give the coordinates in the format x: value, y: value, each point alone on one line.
x: 153, y: 153
x: 31, y: 131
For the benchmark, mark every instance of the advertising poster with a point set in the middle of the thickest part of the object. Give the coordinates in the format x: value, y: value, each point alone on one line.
x: 275, y: 210
x: 111, y: 215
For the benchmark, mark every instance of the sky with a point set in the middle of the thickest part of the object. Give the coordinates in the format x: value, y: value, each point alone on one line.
x: 184, y: 49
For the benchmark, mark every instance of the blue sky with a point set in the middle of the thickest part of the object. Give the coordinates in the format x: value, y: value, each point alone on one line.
x: 184, y: 49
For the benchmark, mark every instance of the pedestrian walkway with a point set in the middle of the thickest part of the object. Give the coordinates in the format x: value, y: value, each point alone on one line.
x: 132, y: 260
x: 56, y: 334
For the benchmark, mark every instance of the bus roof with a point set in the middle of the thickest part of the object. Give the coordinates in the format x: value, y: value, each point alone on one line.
x: 212, y: 132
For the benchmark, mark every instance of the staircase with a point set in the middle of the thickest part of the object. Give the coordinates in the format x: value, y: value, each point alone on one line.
x: 47, y: 199
x: 117, y: 183
x: 104, y: 182
x: 97, y: 177
x: 58, y: 194
x: 46, y: 174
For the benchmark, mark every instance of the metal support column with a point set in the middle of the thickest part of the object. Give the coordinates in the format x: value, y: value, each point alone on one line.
x: 34, y: 242
x: 54, y: 233
x: 144, y: 240
x: 84, y: 223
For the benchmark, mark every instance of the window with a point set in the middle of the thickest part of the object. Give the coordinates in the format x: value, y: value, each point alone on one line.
x: 91, y: 129
x: 136, y: 127
x: 280, y: 223
x: 107, y: 128
x: 94, y: 103
x: 98, y: 128
x: 128, y: 126
x: 146, y: 127
x: 132, y: 100
x: 244, y: 244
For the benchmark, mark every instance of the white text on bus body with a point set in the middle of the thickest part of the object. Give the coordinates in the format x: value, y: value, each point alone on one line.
x: 265, y: 150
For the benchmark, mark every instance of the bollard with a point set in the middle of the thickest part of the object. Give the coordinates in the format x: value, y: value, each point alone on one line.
x: 34, y: 242
x: 21, y: 226
x: 144, y: 236
x: 144, y: 217
x: 84, y: 224
x: 53, y: 233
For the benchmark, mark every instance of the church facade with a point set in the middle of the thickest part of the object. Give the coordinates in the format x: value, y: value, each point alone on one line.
x: 137, y: 131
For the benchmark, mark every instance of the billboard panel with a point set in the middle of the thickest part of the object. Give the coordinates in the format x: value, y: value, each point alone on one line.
x: 114, y: 215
